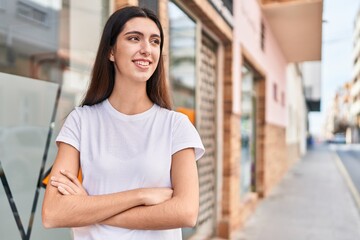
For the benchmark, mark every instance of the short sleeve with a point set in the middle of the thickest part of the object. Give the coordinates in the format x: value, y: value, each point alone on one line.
x: 70, y: 131
x: 186, y: 136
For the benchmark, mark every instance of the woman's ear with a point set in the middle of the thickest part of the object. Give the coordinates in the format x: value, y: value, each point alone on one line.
x: 111, y: 55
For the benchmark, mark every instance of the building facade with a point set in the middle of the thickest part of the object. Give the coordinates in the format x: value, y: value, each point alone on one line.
x: 231, y: 66
x: 267, y: 42
x: 355, y: 86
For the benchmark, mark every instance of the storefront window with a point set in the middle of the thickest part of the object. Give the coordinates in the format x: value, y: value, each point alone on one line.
x: 182, y: 67
x: 182, y: 60
x: 247, y: 131
x: 46, y: 55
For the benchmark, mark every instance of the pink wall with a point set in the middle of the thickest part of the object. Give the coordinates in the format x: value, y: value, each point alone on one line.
x: 271, y: 62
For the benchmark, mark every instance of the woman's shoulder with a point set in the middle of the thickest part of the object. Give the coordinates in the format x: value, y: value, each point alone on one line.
x: 171, y: 113
x: 86, y: 110
x: 174, y: 116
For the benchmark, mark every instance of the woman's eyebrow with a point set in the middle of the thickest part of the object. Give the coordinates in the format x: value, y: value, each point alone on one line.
x: 140, y: 33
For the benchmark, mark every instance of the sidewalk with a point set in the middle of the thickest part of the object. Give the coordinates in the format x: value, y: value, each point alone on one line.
x: 312, y: 202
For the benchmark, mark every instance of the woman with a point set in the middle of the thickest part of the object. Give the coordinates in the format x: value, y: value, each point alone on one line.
x: 137, y: 157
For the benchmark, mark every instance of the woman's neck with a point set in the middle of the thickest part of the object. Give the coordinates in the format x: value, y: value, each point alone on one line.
x: 130, y: 98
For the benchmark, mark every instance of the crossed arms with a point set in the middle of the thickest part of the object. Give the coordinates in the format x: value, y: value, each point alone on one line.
x: 66, y: 203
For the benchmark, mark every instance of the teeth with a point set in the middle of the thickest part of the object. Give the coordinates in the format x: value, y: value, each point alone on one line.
x: 142, y: 63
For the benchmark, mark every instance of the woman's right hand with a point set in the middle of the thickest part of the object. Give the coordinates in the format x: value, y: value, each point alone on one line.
x: 68, y: 184
x: 154, y: 196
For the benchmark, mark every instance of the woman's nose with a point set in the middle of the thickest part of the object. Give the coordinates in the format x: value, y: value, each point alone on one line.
x: 145, y: 49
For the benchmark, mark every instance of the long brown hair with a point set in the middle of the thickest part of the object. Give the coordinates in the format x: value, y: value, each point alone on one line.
x: 103, y: 74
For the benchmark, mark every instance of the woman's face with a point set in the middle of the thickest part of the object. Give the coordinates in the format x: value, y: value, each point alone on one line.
x: 137, y: 50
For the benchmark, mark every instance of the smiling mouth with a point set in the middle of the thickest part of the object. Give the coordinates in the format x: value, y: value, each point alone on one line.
x: 142, y: 63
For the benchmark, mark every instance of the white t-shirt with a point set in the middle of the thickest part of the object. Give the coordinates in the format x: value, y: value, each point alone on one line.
x: 120, y: 152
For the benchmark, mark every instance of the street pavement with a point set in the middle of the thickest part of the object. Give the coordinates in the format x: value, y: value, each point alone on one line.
x: 312, y: 202
x: 350, y: 158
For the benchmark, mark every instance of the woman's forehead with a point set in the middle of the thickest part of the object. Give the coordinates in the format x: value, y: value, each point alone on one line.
x: 143, y: 25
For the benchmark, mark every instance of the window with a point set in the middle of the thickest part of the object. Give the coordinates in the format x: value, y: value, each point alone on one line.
x: 182, y: 60
x: 247, y: 129
x: 262, y: 36
x: 283, y: 99
x: 32, y: 13
x: 275, y: 92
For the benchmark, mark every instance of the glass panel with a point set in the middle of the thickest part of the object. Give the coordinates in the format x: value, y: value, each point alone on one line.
x: 2, y: 4
x: 27, y: 108
x: 48, y: 41
x: 182, y: 60
x: 8, y: 225
x: 182, y: 67
x: 247, y: 130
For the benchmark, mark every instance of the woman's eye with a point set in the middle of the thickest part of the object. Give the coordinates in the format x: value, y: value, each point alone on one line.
x: 133, y: 38
x: 156, y: 41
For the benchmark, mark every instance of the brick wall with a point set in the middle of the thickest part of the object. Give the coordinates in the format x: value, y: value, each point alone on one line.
x: 231, y: 153
x: 260, y: 135
x: 275, y: 163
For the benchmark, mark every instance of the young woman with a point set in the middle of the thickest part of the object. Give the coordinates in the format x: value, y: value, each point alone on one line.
x: 137, y: 157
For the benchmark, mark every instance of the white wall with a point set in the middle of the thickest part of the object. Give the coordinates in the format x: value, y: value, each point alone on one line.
x: 296, y: 109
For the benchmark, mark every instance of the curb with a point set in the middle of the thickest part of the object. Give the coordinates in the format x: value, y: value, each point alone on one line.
x: 354, y: 192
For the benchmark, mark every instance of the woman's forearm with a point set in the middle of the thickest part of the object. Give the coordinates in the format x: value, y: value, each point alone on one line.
x: 179, y: 211
x: 67, y: 204
x: 76, y: 211
x: 174, y: 213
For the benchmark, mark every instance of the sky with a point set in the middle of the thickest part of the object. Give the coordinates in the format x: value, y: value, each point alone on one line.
x: 337, y: 55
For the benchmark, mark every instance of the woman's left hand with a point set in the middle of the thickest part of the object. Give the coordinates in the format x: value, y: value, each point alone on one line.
x: 68, y: 184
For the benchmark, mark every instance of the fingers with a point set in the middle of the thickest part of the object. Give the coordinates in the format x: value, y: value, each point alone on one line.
x: 154, y: 196
x: 79, y: 189
x: 63, y: 191
x: 63, y: 185
x: 72, y: 177
x: 69, y: 183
